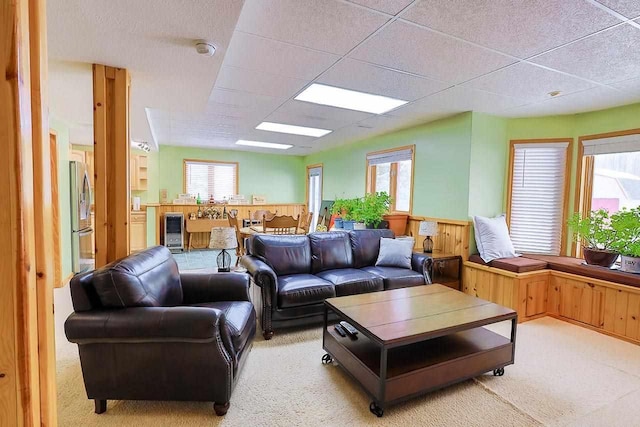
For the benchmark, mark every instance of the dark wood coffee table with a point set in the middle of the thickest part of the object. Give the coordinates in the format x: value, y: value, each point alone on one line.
x: 415, y: 340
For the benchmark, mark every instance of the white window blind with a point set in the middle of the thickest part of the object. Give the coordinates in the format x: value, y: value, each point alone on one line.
x: 389, y: 157
x: 537, y: 197
x: 615, y: 144
x: 210, y: 178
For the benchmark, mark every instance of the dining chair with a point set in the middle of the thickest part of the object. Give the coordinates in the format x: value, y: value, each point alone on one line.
x: 260, y: 213
x: 233, y: 222
x: 305, y: 222
x: 280, y: 224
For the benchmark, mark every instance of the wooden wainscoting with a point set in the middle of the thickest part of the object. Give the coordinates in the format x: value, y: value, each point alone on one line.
x: 452, y: 238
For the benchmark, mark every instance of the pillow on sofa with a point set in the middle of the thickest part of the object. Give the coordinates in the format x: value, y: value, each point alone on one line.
x: 395, y: 252
x: 492, y: 238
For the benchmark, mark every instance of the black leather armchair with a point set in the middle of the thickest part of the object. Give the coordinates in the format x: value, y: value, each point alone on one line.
x: 146, y: 332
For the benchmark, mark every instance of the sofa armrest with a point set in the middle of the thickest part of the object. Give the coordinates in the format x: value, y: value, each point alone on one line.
x: 262, y: 274
x: 422, y: 263
x: 145, y: 324
x: 211, y: 287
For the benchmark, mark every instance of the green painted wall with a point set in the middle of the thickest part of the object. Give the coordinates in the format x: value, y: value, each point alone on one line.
x: 64, y: 195
x: 441, y: 176
x: 487, y: 169
x: 278, y: 177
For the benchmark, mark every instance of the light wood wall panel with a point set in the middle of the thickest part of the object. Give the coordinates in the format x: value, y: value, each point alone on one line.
x: 453, y: 235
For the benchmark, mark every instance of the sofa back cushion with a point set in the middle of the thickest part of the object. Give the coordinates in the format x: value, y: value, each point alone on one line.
x: 330, y: 250
x: 147, y: 278
x: 365, y: 245
x: 284, y: 254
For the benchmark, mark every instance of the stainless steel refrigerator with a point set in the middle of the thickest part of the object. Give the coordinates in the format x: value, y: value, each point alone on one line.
x: 81, y: 231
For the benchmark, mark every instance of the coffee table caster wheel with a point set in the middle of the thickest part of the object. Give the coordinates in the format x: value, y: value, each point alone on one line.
x: 498, y: 372
x: 375, y: 409
x: 326, y: 359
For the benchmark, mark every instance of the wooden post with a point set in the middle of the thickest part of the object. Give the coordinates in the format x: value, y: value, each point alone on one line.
x: 111, y: 161
x: 44, y: 217
x: 20, y: 399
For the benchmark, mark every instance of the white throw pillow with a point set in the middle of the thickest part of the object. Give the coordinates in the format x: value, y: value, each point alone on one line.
x: 395, y: 252
x: 492, y: 238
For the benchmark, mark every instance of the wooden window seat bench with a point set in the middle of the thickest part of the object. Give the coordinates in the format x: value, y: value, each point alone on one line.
x: 598, y: 298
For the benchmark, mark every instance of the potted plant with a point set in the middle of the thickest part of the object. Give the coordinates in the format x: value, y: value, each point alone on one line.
x: 626, y: 223
x: 348, y: 212
x: 371, y: 208
x: 596, y: 236
x: 339, y: 208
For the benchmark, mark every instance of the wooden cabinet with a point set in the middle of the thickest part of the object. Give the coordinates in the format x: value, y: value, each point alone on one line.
x: 578, y: 300
x: 138, y: 231
x: 138, y: 172
x: 445, y: 269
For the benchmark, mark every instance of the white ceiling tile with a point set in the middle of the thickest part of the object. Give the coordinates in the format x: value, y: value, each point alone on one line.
x: 356, y: 75
x: 387, y: 6
x: 528, y: 82
x: 327, y: 25
x: 257, y: 82
x: 608, y: 57
x: 629, y: 86
x: 409, y: 48
x: 628, y: 8
x: 301, y: 113
x: 271, y: 56
x: 520, y: 28
x: 597, y: 98
x: 241, y: 104
x: 457, y: 100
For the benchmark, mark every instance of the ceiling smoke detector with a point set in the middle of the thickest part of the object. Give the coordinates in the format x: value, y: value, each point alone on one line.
x: 205, y: 48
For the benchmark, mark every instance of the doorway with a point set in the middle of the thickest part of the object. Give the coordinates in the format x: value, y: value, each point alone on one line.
x: 314, y: 192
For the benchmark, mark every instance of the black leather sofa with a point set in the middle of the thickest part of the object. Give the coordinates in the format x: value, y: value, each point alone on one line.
x: 297, y: 273
x: 146, y: 332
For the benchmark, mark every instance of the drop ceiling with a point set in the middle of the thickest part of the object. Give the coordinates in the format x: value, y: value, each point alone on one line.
x: 500, y: 57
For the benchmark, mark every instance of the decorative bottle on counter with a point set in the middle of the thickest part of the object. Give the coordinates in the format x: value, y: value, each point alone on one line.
x: 199, y: 212
x: 224, y: 212
x: 198, y: 201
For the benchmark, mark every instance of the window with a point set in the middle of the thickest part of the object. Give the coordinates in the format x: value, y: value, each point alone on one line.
x: 609, y: 175
x: 538, y: 185
x: 208, y: 178
x: 391, y: 171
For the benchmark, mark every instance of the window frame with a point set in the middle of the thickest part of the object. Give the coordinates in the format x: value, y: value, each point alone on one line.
x: 218, y: 162
x: 584, y: 177
x: 567, y: 181
x: 370, y: 173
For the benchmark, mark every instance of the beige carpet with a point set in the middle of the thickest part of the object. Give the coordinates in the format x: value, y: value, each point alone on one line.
x: 564, y: 375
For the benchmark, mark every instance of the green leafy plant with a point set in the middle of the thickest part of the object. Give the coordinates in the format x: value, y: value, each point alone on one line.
x: 340, y: 206
x: 594, y: 231
x: 626, y: 224
x: 371, y: 208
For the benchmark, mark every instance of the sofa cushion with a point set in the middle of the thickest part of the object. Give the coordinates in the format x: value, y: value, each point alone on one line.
x: 147, y: 278
x: 284, y: 254
x: 330, y: 251
x: 365, y: 245
x: 303, y: 289
x: 240, y: 320
x: 394, y: 277
x: 349, y: 281
x: 395, y: 253
x: 515, y: 265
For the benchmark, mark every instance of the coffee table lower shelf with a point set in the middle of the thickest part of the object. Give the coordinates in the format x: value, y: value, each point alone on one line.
x: 414, y: 369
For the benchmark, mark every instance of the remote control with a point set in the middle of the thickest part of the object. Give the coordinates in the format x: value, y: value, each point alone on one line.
x: 350, y: 329
x: 339, y: 330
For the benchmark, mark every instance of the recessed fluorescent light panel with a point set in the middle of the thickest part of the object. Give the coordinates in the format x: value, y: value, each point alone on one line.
x: 349, y: 99
x: 263, y: 144
x: 295, y: 130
